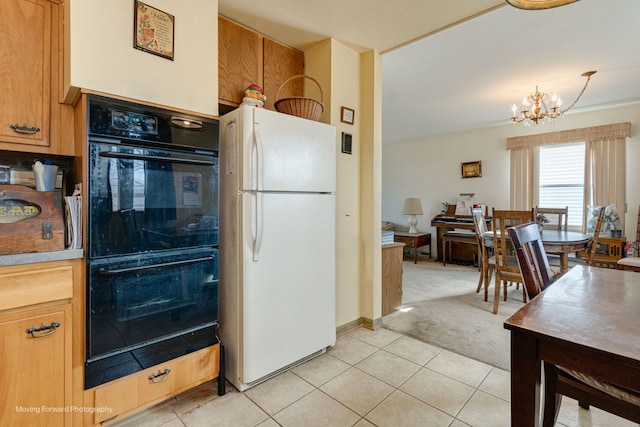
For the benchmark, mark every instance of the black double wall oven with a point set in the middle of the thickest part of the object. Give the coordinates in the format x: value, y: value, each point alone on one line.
x: 152, y: 237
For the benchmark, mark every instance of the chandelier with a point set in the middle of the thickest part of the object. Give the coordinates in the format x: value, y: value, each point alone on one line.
x: 539, y: 105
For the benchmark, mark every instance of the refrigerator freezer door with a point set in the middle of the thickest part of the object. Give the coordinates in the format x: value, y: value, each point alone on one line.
x: 287, y: 153
x: 289, y: 296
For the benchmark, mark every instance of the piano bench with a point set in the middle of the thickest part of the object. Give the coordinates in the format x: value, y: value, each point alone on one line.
x: 459, y: 236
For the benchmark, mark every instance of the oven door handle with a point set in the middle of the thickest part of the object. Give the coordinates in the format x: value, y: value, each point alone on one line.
x: 105, y: 271
x: 155, y: 158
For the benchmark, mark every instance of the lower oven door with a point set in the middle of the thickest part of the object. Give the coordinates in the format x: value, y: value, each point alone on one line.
x: 147, y: 309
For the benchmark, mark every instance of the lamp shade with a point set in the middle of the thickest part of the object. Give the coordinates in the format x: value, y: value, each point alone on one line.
x: 538, y: 4
x: 412, y: 206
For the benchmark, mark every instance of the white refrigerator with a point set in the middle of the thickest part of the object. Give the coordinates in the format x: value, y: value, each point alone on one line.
x: 277, y: 242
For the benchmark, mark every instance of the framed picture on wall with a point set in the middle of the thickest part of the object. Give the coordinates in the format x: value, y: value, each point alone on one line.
x: 347, y: 115
x: 471, y: 169
x: 153, y: 30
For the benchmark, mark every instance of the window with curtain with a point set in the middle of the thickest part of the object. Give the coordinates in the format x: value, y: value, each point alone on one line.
x: 603, y: 166
x: 561, y: 179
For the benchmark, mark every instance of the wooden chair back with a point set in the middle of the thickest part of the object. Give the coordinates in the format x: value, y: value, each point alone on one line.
x: 593, y: 245
x: 503, y: 219
x: 532, y: 259
x: 558, y: 217
x: 486, y: 266
x: 480, y: 223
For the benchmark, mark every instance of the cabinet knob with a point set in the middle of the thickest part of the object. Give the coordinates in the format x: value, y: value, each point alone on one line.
x: 29, y: 130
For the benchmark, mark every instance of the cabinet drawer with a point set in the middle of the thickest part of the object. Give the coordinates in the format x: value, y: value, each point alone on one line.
x: 25, y: 285
x: 139, y: 390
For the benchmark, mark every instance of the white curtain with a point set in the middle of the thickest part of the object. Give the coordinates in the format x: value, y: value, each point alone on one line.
x: 524, y: 178
x: 604, y: 169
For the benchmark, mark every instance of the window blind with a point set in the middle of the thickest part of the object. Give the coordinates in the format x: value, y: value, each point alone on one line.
x: 561, y: 179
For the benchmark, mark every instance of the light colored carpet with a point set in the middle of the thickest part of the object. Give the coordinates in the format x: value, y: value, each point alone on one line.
x: 441, y: 307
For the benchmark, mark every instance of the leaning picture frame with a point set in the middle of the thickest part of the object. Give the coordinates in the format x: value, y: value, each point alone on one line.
x: 153, y: 30
x: 471, y: 169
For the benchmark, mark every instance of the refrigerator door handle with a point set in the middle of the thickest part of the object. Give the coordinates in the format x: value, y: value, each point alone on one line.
x: 258, y: 147
x: 230, y: 148
x: 257, y: 240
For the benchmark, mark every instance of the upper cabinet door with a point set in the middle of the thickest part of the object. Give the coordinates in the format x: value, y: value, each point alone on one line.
x: 25, y: 71
x: 239, y: 60
x: 280, y: 63
x: 246, y: 57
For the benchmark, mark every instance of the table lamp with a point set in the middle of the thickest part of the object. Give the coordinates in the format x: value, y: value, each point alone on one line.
x: 412, y: 207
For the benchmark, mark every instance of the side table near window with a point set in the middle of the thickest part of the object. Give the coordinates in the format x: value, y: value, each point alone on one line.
x: 414, y: 240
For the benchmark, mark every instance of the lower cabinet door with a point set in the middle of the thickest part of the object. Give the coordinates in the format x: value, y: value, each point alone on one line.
x: 35, y: 365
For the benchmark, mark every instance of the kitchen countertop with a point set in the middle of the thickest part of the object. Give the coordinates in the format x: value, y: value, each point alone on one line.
x: 34, y: 257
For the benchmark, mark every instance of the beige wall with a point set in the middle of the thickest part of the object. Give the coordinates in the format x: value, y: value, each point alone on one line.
x: 101, y: 56
x: 429, y: 168
x: 337, y: 69
x: 353, y: 80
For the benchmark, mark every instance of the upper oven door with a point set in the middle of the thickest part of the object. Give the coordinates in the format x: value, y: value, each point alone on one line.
x: 147, y: 199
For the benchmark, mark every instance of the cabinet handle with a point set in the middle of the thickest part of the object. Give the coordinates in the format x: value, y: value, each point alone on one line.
x: 50, y: 329
x: 160, y: 376
x: 24, y: 128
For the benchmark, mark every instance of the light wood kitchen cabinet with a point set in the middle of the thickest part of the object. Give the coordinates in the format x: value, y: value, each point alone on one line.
x: 280, y: 63
x: 30, y: 113
x: 239, y: 65
x: 36, y: 343
x: 246, y: 57
x: 392, y: 277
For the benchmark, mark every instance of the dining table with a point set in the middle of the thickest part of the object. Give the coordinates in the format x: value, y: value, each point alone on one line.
x: 555, y: 242
x: 588, y: 320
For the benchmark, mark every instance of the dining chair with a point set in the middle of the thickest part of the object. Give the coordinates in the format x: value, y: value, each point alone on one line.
x: 506, y: 269
x: 593, y: 244
x: 631, y: 262
x: 559, y: 381
x: 531, y: 257
x: 486, y: 260
x: 557, y: 217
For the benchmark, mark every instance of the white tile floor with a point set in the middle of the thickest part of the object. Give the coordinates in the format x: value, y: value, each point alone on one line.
x: 370, y: 378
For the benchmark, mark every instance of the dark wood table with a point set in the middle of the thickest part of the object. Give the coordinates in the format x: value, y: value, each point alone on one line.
x: 588, y: 320
x: 555, y: 242
x: 413, y: 240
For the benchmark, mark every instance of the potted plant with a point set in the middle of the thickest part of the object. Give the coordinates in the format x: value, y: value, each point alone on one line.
x: 541, y: 220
